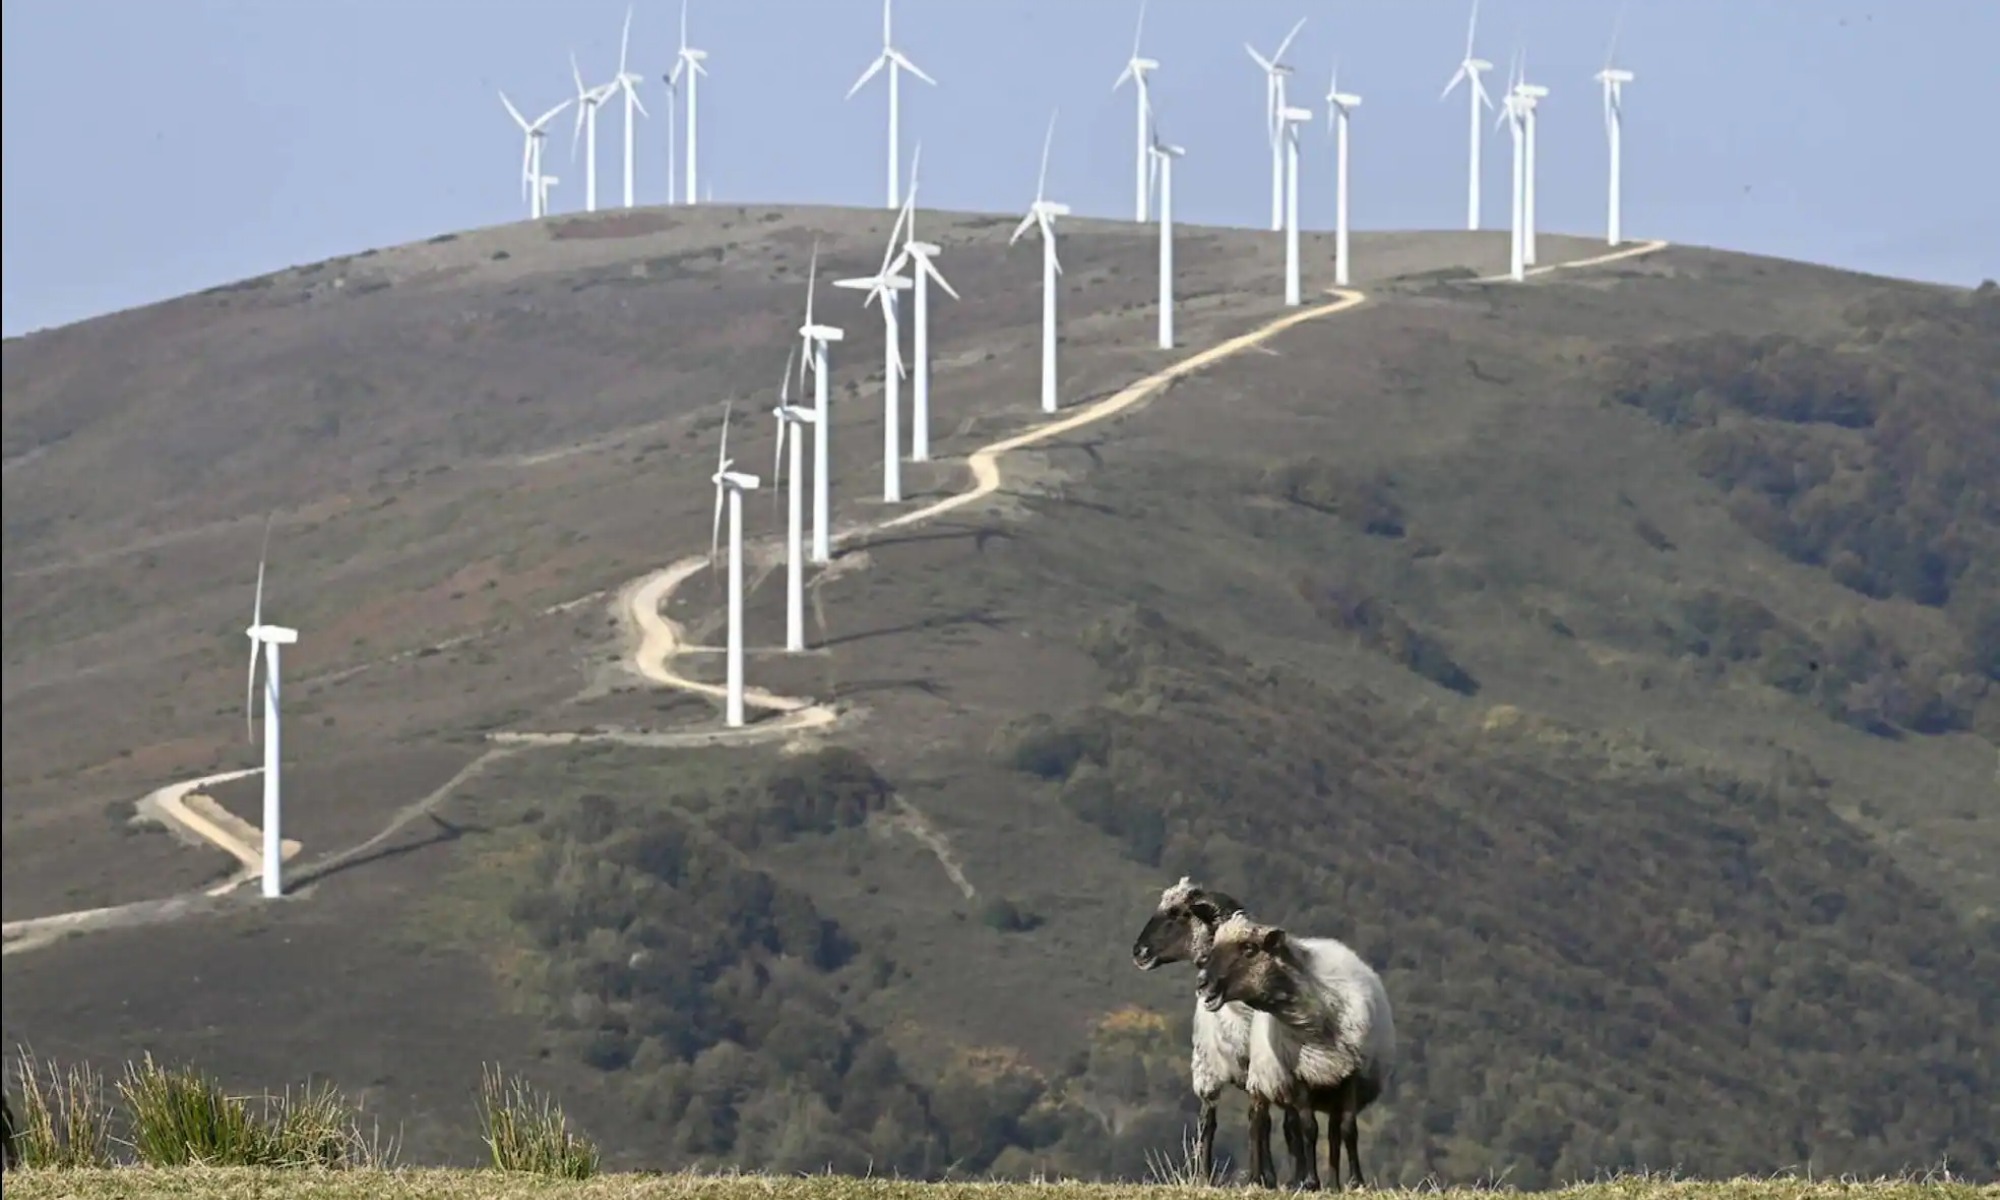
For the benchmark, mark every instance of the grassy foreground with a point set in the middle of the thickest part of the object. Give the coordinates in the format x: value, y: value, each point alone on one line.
x: 241, y: 1184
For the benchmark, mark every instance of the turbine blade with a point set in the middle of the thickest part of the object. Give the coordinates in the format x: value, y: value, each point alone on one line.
x: 1048, y: 139
x: 1285, y: 45
x: 636, y: 102
x: 1457, y: 75
x: 785, y: 384
x: 1122, y: 77
x: 250, y: 694
x: 625, y: 39
x: 684, y: 24
x: 812, y: 287
x: 873, y: 68
x: 1471, y: 26
x: 514, y: 112
x: 903, y: 61
x: 1139, y: 32
x: 715, y: 530
x: 778, y: 455
x: 1027, y: 223
x: 1260, y: 60
x: 886, y: 26
x: 722, y: 451
x: 925, y: 264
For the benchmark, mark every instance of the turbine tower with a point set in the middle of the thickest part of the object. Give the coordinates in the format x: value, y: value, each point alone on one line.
x: 817, y: 338
x: 1514, y: 111
x: 790, y: 418
x: 628, y: 82
x: 1275, y: 72
x: 897, y: 62
x: 689, y: 60
x: 885, y: 283
x: 672, y: 80
x: 1135, y: 70
x: 1468, y: 70
x: 1614, y: 81
x: 1290, y: 119
x: 266, y: 639
x: 921, y: 256
x: 1533, y: 94
x: 542, y: 185
x: 1042, y: 214
x: 1163, y: 155
x: 1339, y: 106
x: 532, y: 134
x: 731, y: 484
x: 587, y: 100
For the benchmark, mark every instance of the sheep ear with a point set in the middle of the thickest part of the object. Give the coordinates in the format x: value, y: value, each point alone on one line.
x: 1274, y: 940
x: 1204, y: 908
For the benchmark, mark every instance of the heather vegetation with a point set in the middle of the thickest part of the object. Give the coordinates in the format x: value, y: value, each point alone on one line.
x: 1875, y: 456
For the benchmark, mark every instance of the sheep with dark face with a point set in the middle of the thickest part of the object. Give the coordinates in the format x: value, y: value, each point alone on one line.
x: 1180, y: 930
x: 1331, y: 1041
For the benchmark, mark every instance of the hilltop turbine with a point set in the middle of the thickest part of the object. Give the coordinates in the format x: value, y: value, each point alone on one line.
x: 790, y: 417
x: 689, y: 59
x: 532, y: 135
x: 1135, y: 70
x: 897, y: 62
x: 1042, y: 213
x: 267, y: 639
x: 817, y: 338
x: 1290, y: 119
x: 1533, y: 94
x: 587, y: 100
x: 1339, y: 106
x: 923, y: 255
x: 628, y: 82
x: 672, y: 80
x: 1514, y: 111
x: 1614, y: 81
x: 1275, y: 73
x: 1468, y: 70
x: 1163, y: 155
x: 731, y: 484
x: 885, y: 283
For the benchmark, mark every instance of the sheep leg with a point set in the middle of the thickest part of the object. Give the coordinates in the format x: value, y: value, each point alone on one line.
x: 1295, y: 1144
x: 1204, y: 1140
x: 1305, y: 1168
x: 1360, y: 1094
x: 1260, y: 1143
x: 1333, y: 1130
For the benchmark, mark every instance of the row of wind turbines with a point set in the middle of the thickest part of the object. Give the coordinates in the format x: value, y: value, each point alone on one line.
x: 911, y: 266
x: 1152, y: 156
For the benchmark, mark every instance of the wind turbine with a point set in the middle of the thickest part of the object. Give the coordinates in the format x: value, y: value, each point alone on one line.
x: 672, y: 80
x: 732, y: 484
x: 1533, y: 94
x: 532, y: 133
x: 1275, y: 72
x: 897, y: 62
x: 1042, y: 213
x: 1614, y: 81
x: 689, y: 60
x: 1339, y: 106
x: 628, y: 82
x: 1290, y: 119
x: 1135, y: 70
x: 1514, y: 111
x: 923, y: 255
x: 587, y: 100
x: 267, y: 639
x: 790, y: 417
x: 1163, y: 155
x: 817, y: 338
x: 542, y: 185
x: 885, y: 283
x: 1468, y: 70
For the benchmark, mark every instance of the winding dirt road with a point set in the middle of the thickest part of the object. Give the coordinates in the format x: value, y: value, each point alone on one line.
x: 656, y: 641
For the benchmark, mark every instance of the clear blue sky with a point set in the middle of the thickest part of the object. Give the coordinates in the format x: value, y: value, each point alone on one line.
x: 153, y: 147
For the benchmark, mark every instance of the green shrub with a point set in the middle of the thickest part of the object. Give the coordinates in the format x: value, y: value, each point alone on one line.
x: 526, y: 1131
x: 181, y: 1117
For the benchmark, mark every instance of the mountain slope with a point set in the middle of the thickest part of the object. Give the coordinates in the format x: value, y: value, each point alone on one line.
x: 1429, y: 627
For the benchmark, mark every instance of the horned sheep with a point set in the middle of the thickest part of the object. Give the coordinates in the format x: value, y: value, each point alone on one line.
x: 1331, y: 1041
x: 1180, y: 930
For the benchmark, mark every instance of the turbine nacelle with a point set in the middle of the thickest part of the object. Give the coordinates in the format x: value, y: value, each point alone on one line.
x: 1294, y: 116
x: 1530, y: 91
x: 734, y: 479
x: 273, y: 635
x: 1344, y: 100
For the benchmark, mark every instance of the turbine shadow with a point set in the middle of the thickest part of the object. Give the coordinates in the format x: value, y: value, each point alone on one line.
x: 981, y: 619
x: 980, y: 536
x: 862, y: 687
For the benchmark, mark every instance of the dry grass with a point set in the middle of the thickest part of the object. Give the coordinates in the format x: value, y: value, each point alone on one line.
x: 64, y: 1121
x: 439, y: 1185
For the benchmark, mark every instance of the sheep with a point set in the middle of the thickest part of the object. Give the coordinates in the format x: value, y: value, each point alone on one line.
x: 1180, y: 930
x: 1331, y: 1040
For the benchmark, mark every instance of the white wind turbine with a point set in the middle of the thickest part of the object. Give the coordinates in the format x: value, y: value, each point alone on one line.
x: 1275, y: 72
x: 1135, y: 70
x: 817, y: 339
x: 1042, y: 214
x: 1162, y: 155
x: 587, y: 100
x: 1614, y: 81
x: 628, y: 82
x: 1534, y: 94
x: 672, y: 80
x: 1468, y: 70
x: 885, y: 283
x: 1514, y: 111
x: 923, y: 256
x: 532, y: 134
x: 1339, y: 107
x: 266, y: 639
x: 897, y: 62
x: 543, y: 183
x: 731, y: 484
x: 790, y: 418
x: 689, y: 60
x: 1289, y: 120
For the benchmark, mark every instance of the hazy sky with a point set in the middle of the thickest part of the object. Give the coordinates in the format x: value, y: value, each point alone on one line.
x: 153, y: 147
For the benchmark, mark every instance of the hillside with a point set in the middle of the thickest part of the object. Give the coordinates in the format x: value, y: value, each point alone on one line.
x: 1611, y: 659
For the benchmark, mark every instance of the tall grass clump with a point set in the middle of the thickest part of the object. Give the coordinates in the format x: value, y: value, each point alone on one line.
x: 524, y: 1130
x: 319, y: 1127
x: 64, y: 1121
x: 181, y: 1117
